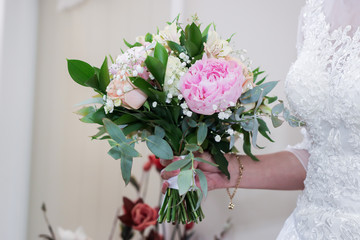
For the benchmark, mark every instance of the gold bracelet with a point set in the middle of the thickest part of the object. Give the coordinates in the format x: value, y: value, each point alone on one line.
x: 241, y: 169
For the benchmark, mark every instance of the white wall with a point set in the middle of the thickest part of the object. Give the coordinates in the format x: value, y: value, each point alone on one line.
x: 18, y: 20
x: 74, y: 176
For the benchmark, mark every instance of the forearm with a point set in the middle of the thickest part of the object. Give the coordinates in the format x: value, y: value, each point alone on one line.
x: 280, y: 171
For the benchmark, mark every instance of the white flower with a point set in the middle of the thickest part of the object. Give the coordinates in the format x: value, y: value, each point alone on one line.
x: 232, y: 104
x: 135, y: 73
x: 230, y: 131
x: 154, y: 104
x: 180, y: 96
x: 109, y: 106
x: 168, y: 100
x: 170, y: 33
x: 169, y: 95
x: 184, y: 105
x: 217, y: 138
x: 69, y: 235
x: 241, y: 135
x: 139, y: 69
x: 151, y: 76
x: 216, y: 47
x: 174, y: 71
x: 189, y: 113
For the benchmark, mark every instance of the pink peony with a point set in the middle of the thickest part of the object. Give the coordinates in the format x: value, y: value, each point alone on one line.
x: 212, y: 85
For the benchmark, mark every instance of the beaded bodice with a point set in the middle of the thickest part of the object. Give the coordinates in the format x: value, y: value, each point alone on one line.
x: 323, y: 89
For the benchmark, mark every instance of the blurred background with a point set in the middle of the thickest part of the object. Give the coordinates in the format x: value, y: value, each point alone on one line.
x: 46, y: 152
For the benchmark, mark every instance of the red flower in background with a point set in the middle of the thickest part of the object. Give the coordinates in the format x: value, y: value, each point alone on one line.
x: 153, y: 235
x: 153, y: 160
x: 189, y: 226
x: 138, y: 215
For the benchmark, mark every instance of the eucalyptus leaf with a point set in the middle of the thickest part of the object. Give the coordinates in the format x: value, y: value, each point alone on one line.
x: 255, y: 133
x: 114, y: 131
x: 248, y: 123
x: 159, y: 147
x: 185, y: 180
x: 126, y: 165
x: 115, y: 152
x: 247, y: 146
x: 96, y: 100
x: 276, y: 121
x: 201, y: 133
x: 204, y: 161
x: 203, y: 181
x: 177, y: 164
x: 277, y: 109
x: 128, y: 150
x: 192, y: 147
x: 160, y: 132
x: 85, y: 111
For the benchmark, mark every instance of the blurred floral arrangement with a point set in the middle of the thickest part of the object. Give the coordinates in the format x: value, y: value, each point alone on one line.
x: 134, y: 217
x: 180, y: 91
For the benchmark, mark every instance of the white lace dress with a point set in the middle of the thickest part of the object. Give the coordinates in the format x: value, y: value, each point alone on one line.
x: 323, y: 89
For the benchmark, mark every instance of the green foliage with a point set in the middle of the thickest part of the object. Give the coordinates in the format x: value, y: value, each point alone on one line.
x: 104, y: 78
x: 220, y: 159
x: 185, y: 180
x: 129, y: 45
x: 178, y: 164
x: 156, y: 68
x: 203, y: 182
x: 201, y: 133
x: 80, y: 71
x: 159, y: 147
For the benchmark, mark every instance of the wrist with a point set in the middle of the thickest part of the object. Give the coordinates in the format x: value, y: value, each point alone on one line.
x: 234, y: 170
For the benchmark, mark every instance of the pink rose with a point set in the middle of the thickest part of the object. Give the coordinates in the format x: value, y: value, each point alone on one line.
x: 123, y: 93
x: 212, y: 85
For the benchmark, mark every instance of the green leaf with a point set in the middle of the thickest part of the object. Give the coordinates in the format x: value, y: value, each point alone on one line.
x: 133, y: 128
x: 185, y: 180
x: 206, y: 30
x: 247, y: 146
x: 143, y: 85
x: 220, y: 159
x: 159, y: 96
x: 80, y: 71
x: 176, y: 47
x: 192, y: 123
x: 159, y: 132
x: 93, y: 82
x: 137, y: 44
x: 126, y: 165
x: 194, y: 35
x: 95, y: 117
x: 271, y: 99
x: 156, y: 68
x: 263, y: 129
x: 276, y: 121
x: 114, y: 131
x: 161, y: 53
x: 277, y: 109
x: 248, y: 125
x: 201, y: 133
x: 104, y: 78
x: 203, y: 181
x: 204, y: 161
x: 148, y: 37
x: 159, y: 147
x: 191, y: 48
x: 85, y: 111
x: 101, y: 132
x: 254, y: 132
x: 254, y: 94
x: 177, y: 164
x: 115, y: 153
x: 192, y: 147
x: 128, y: 150
x: 125, y: 119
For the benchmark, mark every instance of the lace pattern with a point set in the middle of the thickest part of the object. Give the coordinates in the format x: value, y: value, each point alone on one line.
x: 323, y: 89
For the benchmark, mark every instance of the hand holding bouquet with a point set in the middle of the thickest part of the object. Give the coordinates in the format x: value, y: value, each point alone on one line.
x: 181, y: 90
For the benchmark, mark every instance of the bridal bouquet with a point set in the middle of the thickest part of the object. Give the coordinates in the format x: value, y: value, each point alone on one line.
x: 180, y: 90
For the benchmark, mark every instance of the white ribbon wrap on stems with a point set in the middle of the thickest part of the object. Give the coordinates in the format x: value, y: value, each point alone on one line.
x: 173, y: 182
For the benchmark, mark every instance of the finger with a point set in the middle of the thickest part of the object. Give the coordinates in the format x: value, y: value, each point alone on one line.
x: 166, y: 162
x: 166, y: 175
x: 164, y: 187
